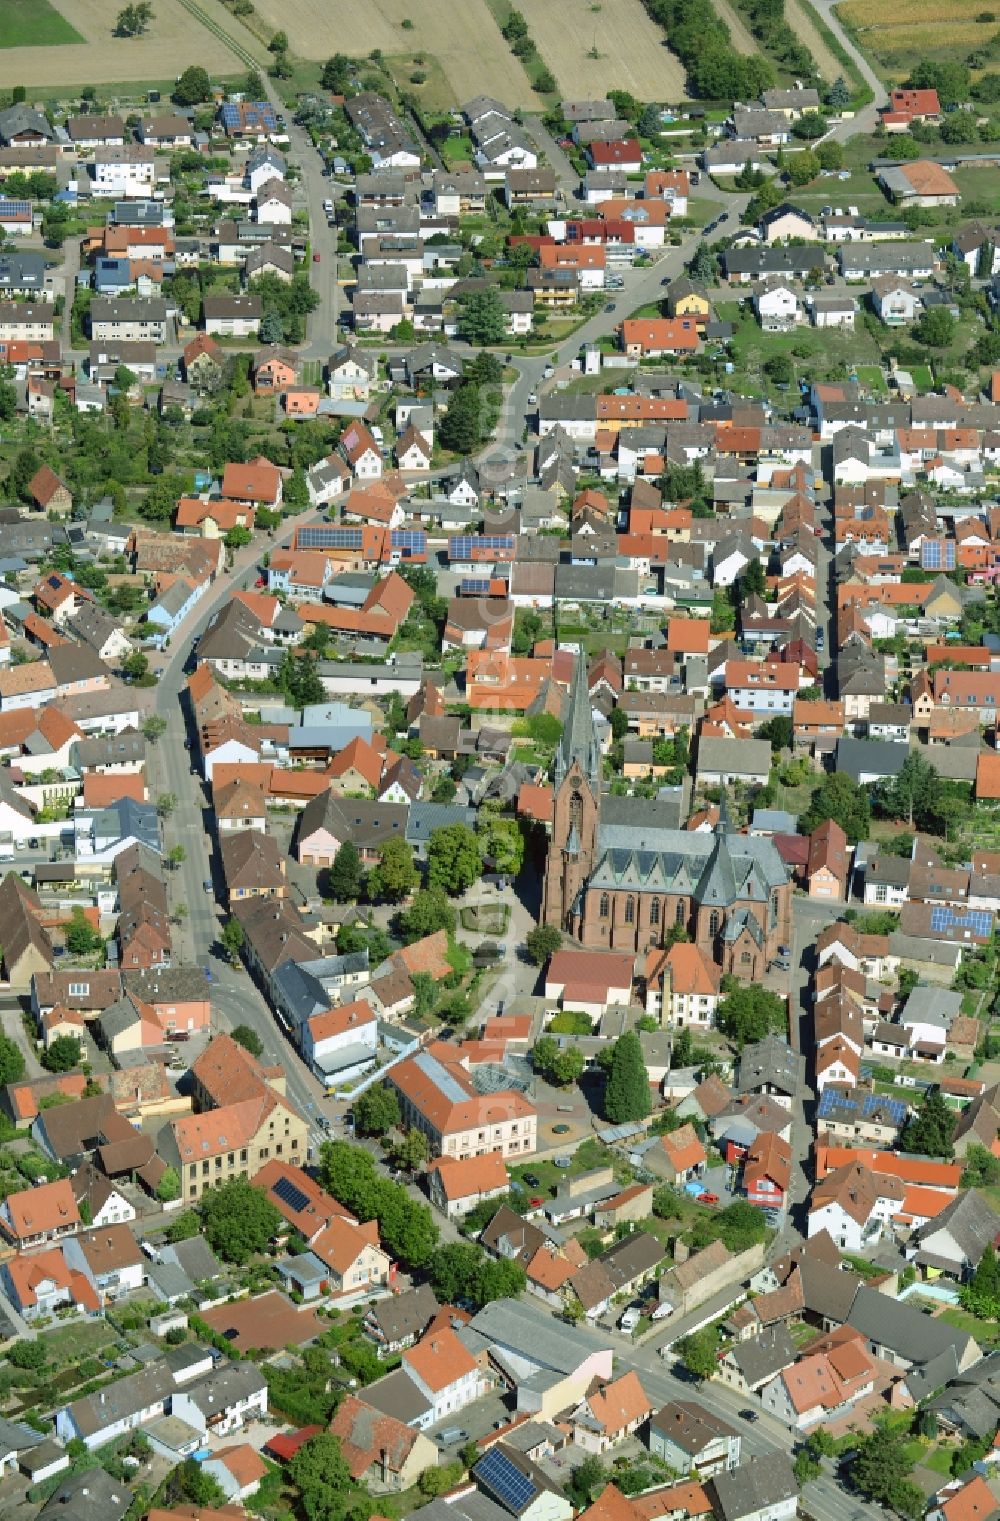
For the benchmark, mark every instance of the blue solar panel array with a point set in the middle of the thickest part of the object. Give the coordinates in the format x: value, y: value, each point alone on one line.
x: 513, y: 1488
x: 831, y: 1101
x: 10, y: 209
x: 937, y: 554
x: 409, y: 541
x: 289, y: 1192
x: 253, y: 113
x: 475, y: 586
x: 320, y: 537
x: 978, y: 921
x: 462, y: 546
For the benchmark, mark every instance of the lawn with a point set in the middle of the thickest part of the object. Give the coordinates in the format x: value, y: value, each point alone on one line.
x: 872, y: 378
x: 33, y: 23
x: 939, y: 1460
x: 70, y: 1343
x: 986, y: 1332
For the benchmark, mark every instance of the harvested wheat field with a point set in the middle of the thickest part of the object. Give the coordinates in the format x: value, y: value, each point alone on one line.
x: 464, y: 38
x: 899, y: 33
x: 804, y: 28
x: 739, y: 33
x: 174, y: 40
x: 632, y: 49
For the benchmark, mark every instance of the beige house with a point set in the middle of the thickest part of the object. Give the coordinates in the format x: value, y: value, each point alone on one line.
x: 245, y: 1120
x: 437, y: 1097
x: 380, y: 1450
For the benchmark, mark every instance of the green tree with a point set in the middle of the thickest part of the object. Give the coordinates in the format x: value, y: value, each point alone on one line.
x: 981, y: 1170
x: 584, y: 1480
x: 80, y: 936
x: 248, y: 1038
x: 453, y: 858
x: 184, y: 1227
x: 344, y: 879
x: 930, y: 1129
x: 838, y: 96
x: 136, y: 665
x: 698, y: 1353
x: 842, y: 799
x: 778, y: 732
x: 320, y: 1473
x: 981, y: 1295
x: 831, y: 156
x: 169, y: 1186
x: 232, y: 938
x: 560, y: 1065
x: 481, y: 317
x: 912, y: 794
x: 238, y: 537
x: 749, y: 1013
x: 880, y: 1470
x: 429, y: 912
x: 395, y: 876
x: 176, y: 856
x: 192, y: 87
x: 272, y: 329
x: 781, y: 370
x: 802, y: 167
x: 28, y: 1354
x: 134, y: 19
x: 376, y: 1111
x: 462, y: 424
x: 412, y: 1151
x: 63, y: 1054
x: 500, y: 840
x: 153, y: 727
x: 197, y: 1487
x: 444, y: 790
x: 239, y: 1220
x: 336, y: 75
x: 626, y: 1096
x: 165, y: 804
x: 542, y: 942
x: 935, y: 327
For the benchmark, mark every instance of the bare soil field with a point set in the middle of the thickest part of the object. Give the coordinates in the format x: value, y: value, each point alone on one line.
x: 633, y: 49
x: 464, y: 39
x: 802, y: 25
x: 174, y: 40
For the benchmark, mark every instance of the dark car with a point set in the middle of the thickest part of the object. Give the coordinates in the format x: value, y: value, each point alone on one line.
x: 610, y: 306
x: 750, y: 1415
x: 532, y: 1179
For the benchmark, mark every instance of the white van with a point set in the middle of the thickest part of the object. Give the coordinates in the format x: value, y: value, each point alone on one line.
x: 630, y: 1320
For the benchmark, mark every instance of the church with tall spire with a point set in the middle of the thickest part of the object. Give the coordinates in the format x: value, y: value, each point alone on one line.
x: 619, y: 876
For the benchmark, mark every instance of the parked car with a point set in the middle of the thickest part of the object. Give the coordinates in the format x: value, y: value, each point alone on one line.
x: 536, y: 1202
x: 532, y: 1179
x: 750, y: 1415
x: 708, y: 1198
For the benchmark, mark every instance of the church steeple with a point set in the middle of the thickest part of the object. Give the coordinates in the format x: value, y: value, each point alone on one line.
x: 579, y: 736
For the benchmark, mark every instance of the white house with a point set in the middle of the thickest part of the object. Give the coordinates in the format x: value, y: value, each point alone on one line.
x: 228, y: 1399
x: 340, y: 1043
x: 109, y: 1259
x: 833, y: 311
x: 894, y: 302
x: 777, y: 307
x: 446, y: 1374
x: 126, y: 172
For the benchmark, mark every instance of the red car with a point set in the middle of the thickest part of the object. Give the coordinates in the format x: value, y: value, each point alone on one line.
x: 536, y: 1203
x: 315, y: 258
x: 708, y: 1198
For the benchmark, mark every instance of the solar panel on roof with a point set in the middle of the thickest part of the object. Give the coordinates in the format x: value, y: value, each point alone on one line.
x: 976, y: 921
x: 461, y: 545
x: 474, y: 586
x: 290, y: 1193
x: 15, y: 208
x: 320, y: 537
x: 506, y: 1480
